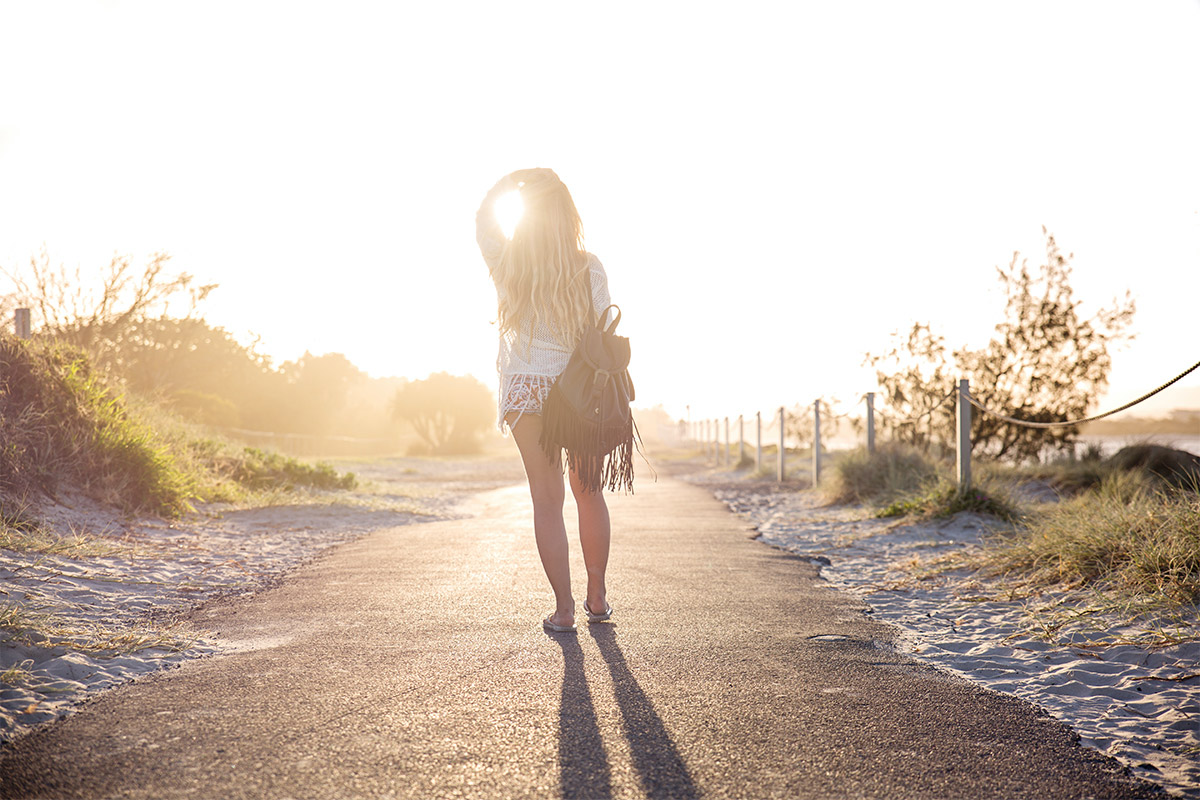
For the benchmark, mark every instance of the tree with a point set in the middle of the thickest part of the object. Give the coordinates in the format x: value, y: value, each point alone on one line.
x: 915, y: 378
x: 318, y: 387
x: 1045, y: 364
x: 98, y: 320
x: 449, y: 412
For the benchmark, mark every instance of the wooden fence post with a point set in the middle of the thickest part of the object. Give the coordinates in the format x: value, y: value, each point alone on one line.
x: 816, y: 442
x: 964, y: 435
x: 21, y: 323
x: 741, y: 440
x: 725, y: 453
x: 870, y: 423
x: 779, y: 472
x: 758, y: 441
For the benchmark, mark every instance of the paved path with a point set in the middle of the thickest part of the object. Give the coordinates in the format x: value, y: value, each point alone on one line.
x: 412, y: 664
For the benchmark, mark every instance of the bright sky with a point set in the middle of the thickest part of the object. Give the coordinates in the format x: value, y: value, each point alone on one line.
x: 773, y: 187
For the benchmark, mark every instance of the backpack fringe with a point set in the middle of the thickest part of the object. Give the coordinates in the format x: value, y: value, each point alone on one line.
x: 598, y: 464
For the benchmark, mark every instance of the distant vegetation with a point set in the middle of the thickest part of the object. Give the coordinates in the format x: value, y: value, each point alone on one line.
x: 141, y: 331
x: 449, y: 412
x: 142, y: 334
x: 1180, y: 421
x: 126, y: 394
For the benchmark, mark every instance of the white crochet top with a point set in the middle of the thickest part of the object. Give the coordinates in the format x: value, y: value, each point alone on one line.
x: 539, y: 356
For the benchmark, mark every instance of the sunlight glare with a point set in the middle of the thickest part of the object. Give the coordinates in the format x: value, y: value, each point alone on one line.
x: 508, y: 211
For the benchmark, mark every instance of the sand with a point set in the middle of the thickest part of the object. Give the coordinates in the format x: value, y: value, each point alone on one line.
x: 1140, y: 705
x: 87, y: 621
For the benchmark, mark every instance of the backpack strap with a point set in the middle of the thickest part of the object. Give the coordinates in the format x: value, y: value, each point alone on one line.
x: 611, y: 326
x: 599, y: 323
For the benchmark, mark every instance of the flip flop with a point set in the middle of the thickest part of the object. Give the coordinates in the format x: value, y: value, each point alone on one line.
x: 550, y: 626
x: 601, y: 617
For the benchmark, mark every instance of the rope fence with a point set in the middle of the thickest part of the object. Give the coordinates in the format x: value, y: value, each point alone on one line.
x: 708, y: 432
x: 1029, y: 424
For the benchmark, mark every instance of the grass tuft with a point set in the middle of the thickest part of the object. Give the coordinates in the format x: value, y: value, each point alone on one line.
x: 47, y: 631
x: 891, y: 472
x: 1128, y: 535
x: 18, y: 674
x: 944, y: 500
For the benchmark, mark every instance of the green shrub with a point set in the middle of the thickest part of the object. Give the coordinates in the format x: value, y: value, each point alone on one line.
x: 260, y: 469
x: 58, y: 420
x: 62, y: 425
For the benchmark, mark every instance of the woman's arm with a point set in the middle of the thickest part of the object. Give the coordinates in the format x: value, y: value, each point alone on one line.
x: 488, y: 234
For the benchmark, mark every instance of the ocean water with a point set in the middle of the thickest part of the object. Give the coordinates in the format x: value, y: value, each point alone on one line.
x: 1111, y: 444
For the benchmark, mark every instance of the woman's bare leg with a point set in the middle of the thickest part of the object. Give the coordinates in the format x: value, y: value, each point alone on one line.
x: 546, y: 490
x: 595, y: 533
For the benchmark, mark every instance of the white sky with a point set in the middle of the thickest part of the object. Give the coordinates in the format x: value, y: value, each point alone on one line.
x: 773, y: 187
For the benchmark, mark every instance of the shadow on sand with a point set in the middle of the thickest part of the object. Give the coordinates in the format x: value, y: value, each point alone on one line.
x: 583, y: 763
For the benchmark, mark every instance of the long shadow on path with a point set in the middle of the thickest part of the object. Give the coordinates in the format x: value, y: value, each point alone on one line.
x: 583, y: 765
x: 584, y: 768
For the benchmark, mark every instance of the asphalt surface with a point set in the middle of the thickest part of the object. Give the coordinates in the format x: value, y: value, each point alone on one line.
x: 412, y: 663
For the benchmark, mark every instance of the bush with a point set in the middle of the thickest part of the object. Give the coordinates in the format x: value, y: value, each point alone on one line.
x: 1065, y: 477
x: 58, y: 421
x: 892, y: 471
x: 1164, y: 466
x: 206, y: 409
x: 1173, y: 467
x: 259, y: 469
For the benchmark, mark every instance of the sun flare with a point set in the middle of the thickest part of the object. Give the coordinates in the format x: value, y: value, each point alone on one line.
x: 508, y: 211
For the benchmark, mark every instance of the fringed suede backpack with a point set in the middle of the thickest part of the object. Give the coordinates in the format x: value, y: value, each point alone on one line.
x: 587, y: 410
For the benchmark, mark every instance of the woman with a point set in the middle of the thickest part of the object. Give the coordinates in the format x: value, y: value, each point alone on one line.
x: 548, y: 288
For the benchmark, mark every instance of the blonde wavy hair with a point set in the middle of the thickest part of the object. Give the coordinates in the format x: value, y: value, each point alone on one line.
x: 543, y: 270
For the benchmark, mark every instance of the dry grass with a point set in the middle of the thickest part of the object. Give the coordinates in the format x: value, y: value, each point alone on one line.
x: 893, y: 471
x: 19, y: 624
x: 1128, y: 535
x: 1105, y: 548
x: 18, y: 674
x: 21, y: 533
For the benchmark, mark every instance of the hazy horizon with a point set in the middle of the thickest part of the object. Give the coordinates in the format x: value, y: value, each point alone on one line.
x: 772, y: 189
